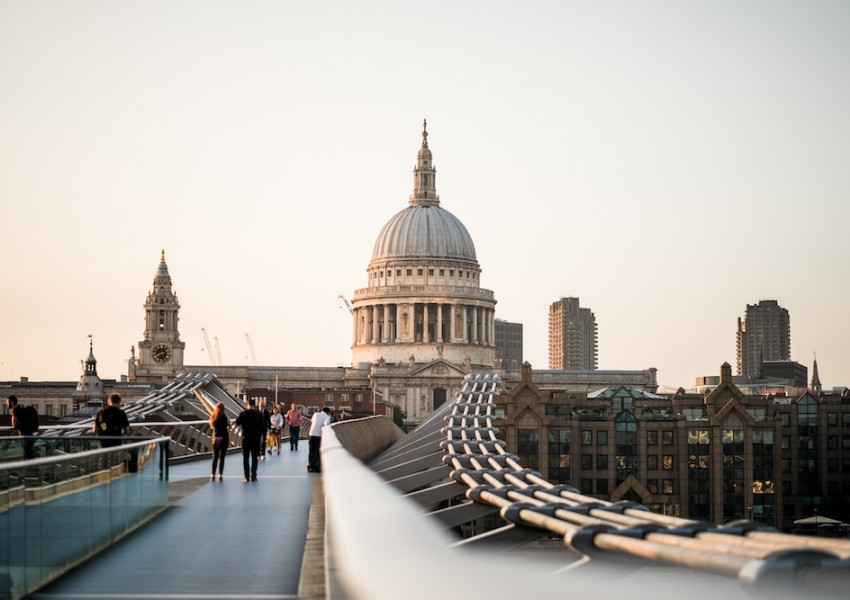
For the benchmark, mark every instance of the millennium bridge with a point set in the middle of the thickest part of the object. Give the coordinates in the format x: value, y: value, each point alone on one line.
x: 382, y: 520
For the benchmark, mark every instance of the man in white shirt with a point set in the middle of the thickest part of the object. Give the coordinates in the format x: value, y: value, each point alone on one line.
x: 319, y: 420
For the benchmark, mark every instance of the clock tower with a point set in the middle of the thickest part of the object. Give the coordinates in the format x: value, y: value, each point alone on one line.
x: 161, y: 352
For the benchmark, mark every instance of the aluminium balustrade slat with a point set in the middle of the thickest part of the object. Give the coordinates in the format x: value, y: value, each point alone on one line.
x: 502, y: 539
x: 420, y: 464
x: 420, y: 479
x: 461, y: 513
x: 437, y: 493
x: 426, y: 446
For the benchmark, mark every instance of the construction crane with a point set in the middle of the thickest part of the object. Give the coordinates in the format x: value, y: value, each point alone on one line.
x: 217, y: 351
x: 209, y: 346
x: 251, y: 348
x: 347, y: 303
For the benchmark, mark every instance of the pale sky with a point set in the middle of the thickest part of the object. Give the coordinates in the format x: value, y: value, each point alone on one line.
x: 666, y: 162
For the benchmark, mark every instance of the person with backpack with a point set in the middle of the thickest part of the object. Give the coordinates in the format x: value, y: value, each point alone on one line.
x: 111, y: 423
x: 253, y: 427
x: 25, y: 422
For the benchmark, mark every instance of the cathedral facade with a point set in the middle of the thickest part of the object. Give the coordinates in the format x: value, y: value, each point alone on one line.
x: 422, y: 322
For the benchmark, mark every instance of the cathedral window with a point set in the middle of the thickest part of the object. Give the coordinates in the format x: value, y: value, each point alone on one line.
x: 431, y: 272
x: 398, y: 272
x: 451, y: 272
x: 460, y: 273
x: 419, y: 272
x: 442, y: 272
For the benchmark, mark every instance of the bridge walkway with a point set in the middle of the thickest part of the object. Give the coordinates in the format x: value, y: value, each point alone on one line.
x: 225, y: 539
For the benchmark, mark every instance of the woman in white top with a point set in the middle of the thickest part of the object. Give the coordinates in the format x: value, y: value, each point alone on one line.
x: 274, y: 430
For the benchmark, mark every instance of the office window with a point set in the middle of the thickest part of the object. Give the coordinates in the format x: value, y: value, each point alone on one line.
x: 667, y: 437
x: 652, y: 486
x: 652, y: 438
x: 587, y: 461
x: 832, y: 418
x: 601, y: 462
x: 601, y: 438
x: 652, y: 461
x: 586, y: 486
x: 667, y: 462
x: 586, y: 438
x: 667, y: 486
x: 602, y: 487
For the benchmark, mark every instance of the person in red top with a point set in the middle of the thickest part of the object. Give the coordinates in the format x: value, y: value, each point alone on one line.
x: 293, y: 419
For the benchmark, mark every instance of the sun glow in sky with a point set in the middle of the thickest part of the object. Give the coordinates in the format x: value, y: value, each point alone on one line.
x: 666, y: 162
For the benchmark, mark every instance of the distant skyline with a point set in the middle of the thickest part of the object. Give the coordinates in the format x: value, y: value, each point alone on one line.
x: 667, y: 163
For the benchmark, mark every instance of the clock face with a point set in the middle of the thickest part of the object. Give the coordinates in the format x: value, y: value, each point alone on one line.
x: 161, y: 353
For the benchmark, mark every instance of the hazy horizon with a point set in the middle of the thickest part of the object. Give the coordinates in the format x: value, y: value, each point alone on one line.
x: 667, y: 163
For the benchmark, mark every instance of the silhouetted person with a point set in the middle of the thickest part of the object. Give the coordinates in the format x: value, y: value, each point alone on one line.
x: 253, y: 428
x: 22, y: 422
x: 111, y: 423
x: 221, y: 439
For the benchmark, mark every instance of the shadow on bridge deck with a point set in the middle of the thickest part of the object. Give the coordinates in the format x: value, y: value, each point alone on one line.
x: 216, y: 540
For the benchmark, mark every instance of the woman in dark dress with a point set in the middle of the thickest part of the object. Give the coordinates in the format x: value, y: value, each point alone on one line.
x: 221, y: 439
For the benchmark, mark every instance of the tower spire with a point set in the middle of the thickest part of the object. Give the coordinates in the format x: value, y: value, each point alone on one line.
x: 424, y: 175
x: 816, y: 384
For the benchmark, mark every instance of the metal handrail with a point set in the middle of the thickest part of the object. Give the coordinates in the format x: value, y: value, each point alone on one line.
x: 603, y: 532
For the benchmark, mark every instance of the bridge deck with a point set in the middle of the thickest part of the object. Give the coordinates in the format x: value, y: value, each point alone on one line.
x: 225, y: 539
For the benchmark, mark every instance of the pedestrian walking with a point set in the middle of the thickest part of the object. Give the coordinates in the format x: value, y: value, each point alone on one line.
x: 251, y: 422
x: 293, y: 419
x: 221, y: 439
x: 274, y: 430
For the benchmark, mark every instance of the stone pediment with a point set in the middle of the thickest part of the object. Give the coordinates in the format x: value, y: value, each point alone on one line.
x: 439, y: 368
x: 732, y: 408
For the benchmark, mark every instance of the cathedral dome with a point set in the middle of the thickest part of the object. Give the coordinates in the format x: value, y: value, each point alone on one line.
x: 424, y: 231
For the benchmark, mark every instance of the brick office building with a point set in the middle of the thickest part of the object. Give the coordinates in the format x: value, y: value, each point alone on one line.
x: 720, y: 456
